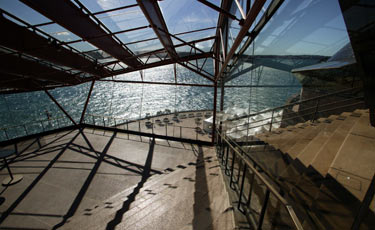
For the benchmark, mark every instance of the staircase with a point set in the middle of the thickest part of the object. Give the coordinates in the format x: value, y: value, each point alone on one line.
x: 325, y: 168
x: 191, y: 196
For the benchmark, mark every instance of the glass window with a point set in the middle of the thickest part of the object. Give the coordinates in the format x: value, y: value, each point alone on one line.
x: 100, y: 5
x: 22, y: 11
x: 59, y: 32
x: 123, y: 19
x: 186, y: 15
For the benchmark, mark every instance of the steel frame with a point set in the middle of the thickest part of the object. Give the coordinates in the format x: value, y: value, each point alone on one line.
x: 83, y: 26
x: 11, y: 63
x: 270, y: 11
x: 154, y: 16
x: 158, y: 83
x: 60, y: 107
x: 25, y: 41
x: 87, y: 102
x: 250, y: 18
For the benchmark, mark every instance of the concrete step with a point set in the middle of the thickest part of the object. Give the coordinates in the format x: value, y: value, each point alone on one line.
x: 281, y: 136
x: 327, y: 153
x: 304, y: 138
x: 353, y: 166
x: 269, y: 159
x: 307, y: 155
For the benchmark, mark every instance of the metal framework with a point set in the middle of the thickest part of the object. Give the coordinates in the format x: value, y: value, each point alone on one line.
x: 153, y: 14
x: 79, y: 23
x: 49, y: 63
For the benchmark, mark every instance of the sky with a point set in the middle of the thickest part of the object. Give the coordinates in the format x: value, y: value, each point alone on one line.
x: 304, y: 27
x: 300, y: 27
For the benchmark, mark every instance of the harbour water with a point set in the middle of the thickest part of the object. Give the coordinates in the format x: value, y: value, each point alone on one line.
x: 134, y: 101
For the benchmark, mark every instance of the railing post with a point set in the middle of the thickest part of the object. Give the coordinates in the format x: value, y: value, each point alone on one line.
x: 6, y: 134
x: 251, y: 189
x: 58, y: 123
x: 271, y: 120
x: 139, y: 126
x: 114, y: 119
x: 103, y: 122
x: 166, y: 129
x: 316, y: 110
x: 232, y: 170
x: 41, y: 122
x: 24, y: 126
x: 264, y: 207
x: 241, y: 190
x: 226, y: 160
x: 180, y: 131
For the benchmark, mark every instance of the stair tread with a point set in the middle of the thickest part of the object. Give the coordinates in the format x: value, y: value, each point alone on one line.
x: 354, y: 167
x: 302, y: 140
x: 327, y: 153
x: 309, y: 152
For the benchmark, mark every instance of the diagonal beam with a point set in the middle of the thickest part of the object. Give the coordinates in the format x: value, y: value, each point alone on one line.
x: 218, y: 9
x: 68, y: 15
x: 9, y: 81
x: 161, y: 63
x: 196, y: 71
x: 25, y: 41
x: 176, y: 46
x: 154, y: 16
x: 250, y: 18
x: 221, y: 23
x: 60, y: 107
x: 19, y: 66
x: 268, y: 14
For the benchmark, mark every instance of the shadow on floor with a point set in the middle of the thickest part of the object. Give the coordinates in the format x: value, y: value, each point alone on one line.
x: 126, y: 205
x: 202, y: 213
x: 74, y: 206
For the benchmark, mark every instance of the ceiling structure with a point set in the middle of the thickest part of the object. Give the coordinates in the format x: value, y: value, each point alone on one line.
x: 34, y: 56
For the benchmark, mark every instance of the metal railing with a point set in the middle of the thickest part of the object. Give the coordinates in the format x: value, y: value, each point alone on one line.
x: 251, y: 185
x: 162, y: 128
x: 308, y: 112
x: 11, y: 132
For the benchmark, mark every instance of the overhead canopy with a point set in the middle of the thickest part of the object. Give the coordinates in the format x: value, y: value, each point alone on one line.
x: 47, y: 44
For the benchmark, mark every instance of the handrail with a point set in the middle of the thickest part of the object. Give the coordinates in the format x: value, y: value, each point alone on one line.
x: 138, y: 120
x: 296, y: 103
x: 153, y: 116
x: 32, y: 122
x: 270, y: 188
x: 28, y: 124
x: 291, y: 118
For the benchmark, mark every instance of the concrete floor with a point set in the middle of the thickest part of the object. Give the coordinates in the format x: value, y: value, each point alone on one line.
x: 69, y: 172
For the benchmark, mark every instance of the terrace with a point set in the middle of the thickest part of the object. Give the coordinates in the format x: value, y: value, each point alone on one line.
x: 187, y: 114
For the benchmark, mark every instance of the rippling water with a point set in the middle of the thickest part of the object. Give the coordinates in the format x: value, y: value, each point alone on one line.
x: 132, y: 101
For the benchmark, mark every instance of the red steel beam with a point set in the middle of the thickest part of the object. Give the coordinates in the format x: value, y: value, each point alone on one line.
x: 74, y: 19
x: 161, y: 63
x: 250, y: 18
x: 87, y: 102
x: 154, y: 16
x: 60, y: 107
x: 196, y: 71
x: 25, y: 41
x: 19, y: 66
